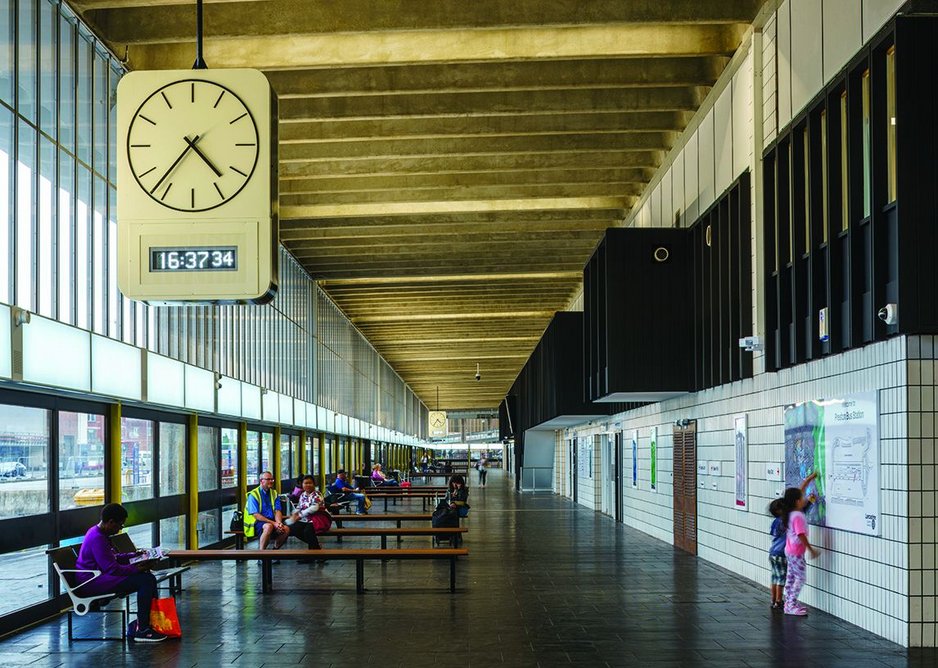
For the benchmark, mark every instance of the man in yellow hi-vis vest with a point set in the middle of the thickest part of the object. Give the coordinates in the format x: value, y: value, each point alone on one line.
x: 263, y: 516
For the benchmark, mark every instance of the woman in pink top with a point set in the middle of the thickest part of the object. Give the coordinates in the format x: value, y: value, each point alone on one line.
x: 796, y: 544
x: 378, y: 477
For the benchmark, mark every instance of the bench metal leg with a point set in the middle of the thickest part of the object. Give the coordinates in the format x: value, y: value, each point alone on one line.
x: 360, y: 576
x: 123, y: 635
x: 267, y: 575
x: 452, y: 575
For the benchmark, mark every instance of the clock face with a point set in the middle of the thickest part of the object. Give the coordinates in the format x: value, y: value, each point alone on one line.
x: 192, y: 145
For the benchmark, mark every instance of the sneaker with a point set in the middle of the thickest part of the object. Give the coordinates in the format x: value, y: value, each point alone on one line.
x: 132, y: 629
x: 360, y: 512
x: 149, y: 635
x: 798, y: 610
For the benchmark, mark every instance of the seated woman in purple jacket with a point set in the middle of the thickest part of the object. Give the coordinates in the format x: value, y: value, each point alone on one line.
x: 117, y: 576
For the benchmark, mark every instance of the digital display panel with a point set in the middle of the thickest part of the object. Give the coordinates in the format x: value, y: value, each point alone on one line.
x: 194, y: 258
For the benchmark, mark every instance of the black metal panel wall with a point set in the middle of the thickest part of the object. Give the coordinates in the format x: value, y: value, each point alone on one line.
x: 638, y: 313
x: 507, y: 414
x: 850, y: 200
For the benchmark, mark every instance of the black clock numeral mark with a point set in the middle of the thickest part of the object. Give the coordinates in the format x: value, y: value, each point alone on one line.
x: 166, y: 192
x: 147, y: 120
x: 166, y: 99
x: 140, y: 176
x: 235, y: 169
x: 238, y: 118
x: 139, y: 146
x: 218, y: 190
x: 250, y: 144
x: 220, y: 96
x: 192, y: 93
x: 192, y: 191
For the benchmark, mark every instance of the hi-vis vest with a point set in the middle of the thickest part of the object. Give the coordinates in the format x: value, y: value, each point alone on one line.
x: 249, y: 517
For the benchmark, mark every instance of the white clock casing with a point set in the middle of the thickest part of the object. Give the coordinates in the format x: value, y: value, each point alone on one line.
x: 196, y: 172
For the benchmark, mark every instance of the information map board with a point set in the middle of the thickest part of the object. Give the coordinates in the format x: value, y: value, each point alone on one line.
x: 838, y: 438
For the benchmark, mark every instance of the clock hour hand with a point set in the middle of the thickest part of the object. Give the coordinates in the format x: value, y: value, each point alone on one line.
x: 199, y: 153
x: 189, y: 145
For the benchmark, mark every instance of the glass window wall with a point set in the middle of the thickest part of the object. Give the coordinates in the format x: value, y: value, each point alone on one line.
x: 172, y: 458
x: 286, y: 456
x: 138, y: 442
x: 229, y: 458
x: 31, y: 582
x: 24, y: 455
x: 209, y: 458
x: 81, y: 459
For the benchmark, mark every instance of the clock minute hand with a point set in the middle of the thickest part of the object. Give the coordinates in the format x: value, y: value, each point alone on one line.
x: 176, y: 161
x: 199, y: 153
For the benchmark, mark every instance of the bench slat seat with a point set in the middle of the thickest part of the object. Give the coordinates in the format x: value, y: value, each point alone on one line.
x: 358, y: 555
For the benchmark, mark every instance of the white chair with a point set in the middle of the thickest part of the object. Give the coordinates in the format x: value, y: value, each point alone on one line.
x: 64, y: 561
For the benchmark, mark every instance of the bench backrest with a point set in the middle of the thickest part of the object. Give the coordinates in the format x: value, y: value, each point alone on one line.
x: 123, y: 543
x: 65, y: 559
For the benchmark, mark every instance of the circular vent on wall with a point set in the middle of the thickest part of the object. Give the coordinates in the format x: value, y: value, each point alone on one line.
x: 661, y: 254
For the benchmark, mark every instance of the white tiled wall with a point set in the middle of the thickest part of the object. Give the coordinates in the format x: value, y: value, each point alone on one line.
x: 862, y: 579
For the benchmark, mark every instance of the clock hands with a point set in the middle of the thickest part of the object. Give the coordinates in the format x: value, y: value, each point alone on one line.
x: 189, y: 145
x: 199, y: 153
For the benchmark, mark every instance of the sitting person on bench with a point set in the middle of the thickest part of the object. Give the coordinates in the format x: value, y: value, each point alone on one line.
x: 117, y: 576
x: 457, y: 496
x: 310, y: 516
x: 340, y: 488
x: 378, y: 478
x: 263, y: 515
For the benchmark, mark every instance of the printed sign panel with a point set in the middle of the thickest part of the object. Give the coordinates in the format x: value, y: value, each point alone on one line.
x: 838, y: 439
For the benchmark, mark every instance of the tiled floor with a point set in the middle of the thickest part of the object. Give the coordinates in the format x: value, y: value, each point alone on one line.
x: 546, y: 584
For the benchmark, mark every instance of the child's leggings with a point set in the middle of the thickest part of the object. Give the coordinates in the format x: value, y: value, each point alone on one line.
x: 797, y: 571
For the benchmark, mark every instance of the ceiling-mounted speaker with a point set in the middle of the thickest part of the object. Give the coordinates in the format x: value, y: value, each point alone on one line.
x: 662, y: 254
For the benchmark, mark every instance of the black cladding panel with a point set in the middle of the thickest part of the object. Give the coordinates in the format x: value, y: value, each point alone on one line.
x: 638, y: 314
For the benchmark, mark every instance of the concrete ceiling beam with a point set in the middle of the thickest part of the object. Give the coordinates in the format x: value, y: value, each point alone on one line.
x: 454, y: 206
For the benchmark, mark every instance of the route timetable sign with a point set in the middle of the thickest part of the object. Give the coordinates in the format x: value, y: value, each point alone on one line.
x: 197, y: 186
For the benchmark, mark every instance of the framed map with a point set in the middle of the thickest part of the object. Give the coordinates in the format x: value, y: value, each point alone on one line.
x: 839, y: 439
x: 741, y: 442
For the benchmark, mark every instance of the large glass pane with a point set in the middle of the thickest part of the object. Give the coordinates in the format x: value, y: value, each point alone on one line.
x: 173, y: 533
x: 867, y: 147
x: 66, y: 83
x: 48, y: 29
x: 844, y: 166
x: 66, y: 221
x: 99, y: 246
x: 27, y: 22
x: 45, y: 249
x: 806, y: 184
x: 137, y: 444
x: 25, y: 576
x: 113, y: 78
x: 7, y: 37
x: 81, y: 459
x: 825, y: 180
x: 113, y: 294
x: 83, y: 102
x: 229, y: 458
x: 82, y: 233
x: 24, y: 454
x: 267, y: 452
x: 100, y: 112
x: 286, y: 454
x: 208, y: 459
x: 891, y: 165
x: 6, y: 200
x: 254, y: 458
x: 172, y: 458
x: 25, y: 215
x: 140, y: 534
x: 209, y: 527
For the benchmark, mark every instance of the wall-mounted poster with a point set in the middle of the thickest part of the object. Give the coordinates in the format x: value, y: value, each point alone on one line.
x: 582, y: 458
x: 839, y: 439
x: 635, y: 458
x: 741, y: 438
x: 654, y: 458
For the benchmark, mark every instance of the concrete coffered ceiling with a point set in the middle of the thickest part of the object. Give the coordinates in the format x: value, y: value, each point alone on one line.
x: 447, y: 166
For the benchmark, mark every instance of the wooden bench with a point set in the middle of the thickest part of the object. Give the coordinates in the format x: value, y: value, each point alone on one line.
x: 398, y: 518
x: 358, y: 556
x: 123, y: 543
x: 412, y: 493
x: 384, y: 532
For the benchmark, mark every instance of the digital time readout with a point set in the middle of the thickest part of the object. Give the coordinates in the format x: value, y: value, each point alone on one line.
x: 194, y: 258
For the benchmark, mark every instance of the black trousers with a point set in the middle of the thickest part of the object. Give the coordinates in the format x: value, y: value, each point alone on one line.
x: 306, y: 533
x: 145, y: 585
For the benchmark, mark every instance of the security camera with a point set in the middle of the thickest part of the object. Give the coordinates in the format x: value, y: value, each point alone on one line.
x: 478, y: 376
x: 751, y: 343
x: 478, y: 371
x: 889, y: 314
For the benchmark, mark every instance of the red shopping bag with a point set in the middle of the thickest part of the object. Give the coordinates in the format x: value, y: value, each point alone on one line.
x: 163, y: 617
